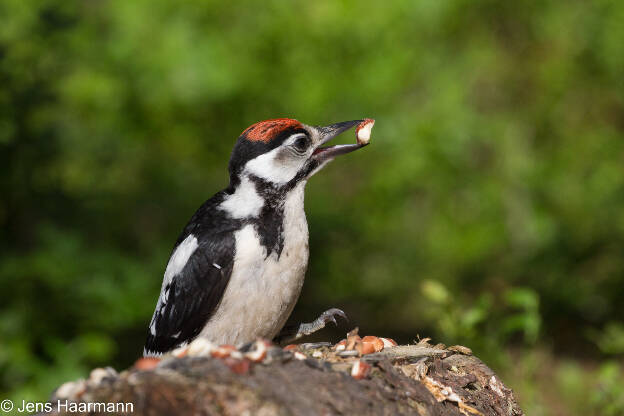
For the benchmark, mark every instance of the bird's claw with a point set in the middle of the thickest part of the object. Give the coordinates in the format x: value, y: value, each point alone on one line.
x: 292, y: 334
x: 330, y: 316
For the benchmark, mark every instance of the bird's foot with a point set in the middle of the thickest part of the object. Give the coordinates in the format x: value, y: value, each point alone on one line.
x: 293, y: 333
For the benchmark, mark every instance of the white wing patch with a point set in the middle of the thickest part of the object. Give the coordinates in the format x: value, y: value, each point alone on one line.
x: 176, y: 264
x: 179, y: 258
x: 243, y: 203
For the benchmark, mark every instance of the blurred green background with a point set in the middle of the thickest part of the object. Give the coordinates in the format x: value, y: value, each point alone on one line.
x: 488, y: 211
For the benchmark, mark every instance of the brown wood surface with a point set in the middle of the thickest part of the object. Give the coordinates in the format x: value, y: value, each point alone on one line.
x: 410, y: 379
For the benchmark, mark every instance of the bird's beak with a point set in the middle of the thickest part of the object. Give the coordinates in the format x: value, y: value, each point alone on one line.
x: 326, y: 133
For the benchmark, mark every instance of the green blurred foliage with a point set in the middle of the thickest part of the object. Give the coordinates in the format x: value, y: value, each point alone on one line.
x: 563, y: 386
x: 489, y: 209
x: 611, y: 339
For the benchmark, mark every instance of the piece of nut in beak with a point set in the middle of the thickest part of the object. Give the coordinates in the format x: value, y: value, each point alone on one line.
x: 363, y: 131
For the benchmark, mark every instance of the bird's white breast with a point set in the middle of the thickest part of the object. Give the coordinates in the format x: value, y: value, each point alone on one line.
x: 262, y: 291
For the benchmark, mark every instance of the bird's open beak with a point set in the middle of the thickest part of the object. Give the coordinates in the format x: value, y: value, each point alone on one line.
x: 326, y: 133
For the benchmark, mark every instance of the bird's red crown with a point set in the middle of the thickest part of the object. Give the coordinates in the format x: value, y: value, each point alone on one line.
x: 267, y: 130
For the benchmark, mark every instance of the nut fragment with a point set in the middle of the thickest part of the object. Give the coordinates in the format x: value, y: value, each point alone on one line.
x: 340, y: 346
x: 377, y: 343
x: 71, y: 389
x: 259, y: 352
x: 224, y: 351
x: 388, y: 342
x: 363, y: 131
x: 360, y: 370
x: 300, y: 356
x: 98, y: 374
x: 200, y: 347
x: 146, y: 363
x: 291, y: 347
x: 180, y: 352
x: 365, y: 348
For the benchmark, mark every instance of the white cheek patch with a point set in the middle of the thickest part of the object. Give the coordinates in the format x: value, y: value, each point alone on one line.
x: 243, y: 203
x: 273, y: 168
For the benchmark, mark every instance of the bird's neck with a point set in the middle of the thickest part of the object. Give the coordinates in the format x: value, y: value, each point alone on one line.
x: 253, y: 197
x: 276, y: 212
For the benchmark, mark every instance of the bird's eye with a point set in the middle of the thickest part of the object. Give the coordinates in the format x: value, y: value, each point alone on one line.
x: 301, y: 144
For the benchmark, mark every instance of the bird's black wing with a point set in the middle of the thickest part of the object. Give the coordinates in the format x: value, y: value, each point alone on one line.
x: 189, y: 298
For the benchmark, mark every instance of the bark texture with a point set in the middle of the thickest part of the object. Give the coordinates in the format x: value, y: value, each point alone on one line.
x: 311, y: 380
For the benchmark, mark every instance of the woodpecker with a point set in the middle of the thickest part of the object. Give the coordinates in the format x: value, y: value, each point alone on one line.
x: 237, y: 268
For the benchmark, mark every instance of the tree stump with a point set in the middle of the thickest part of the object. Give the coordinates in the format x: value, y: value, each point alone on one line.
x: 310, y: 379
